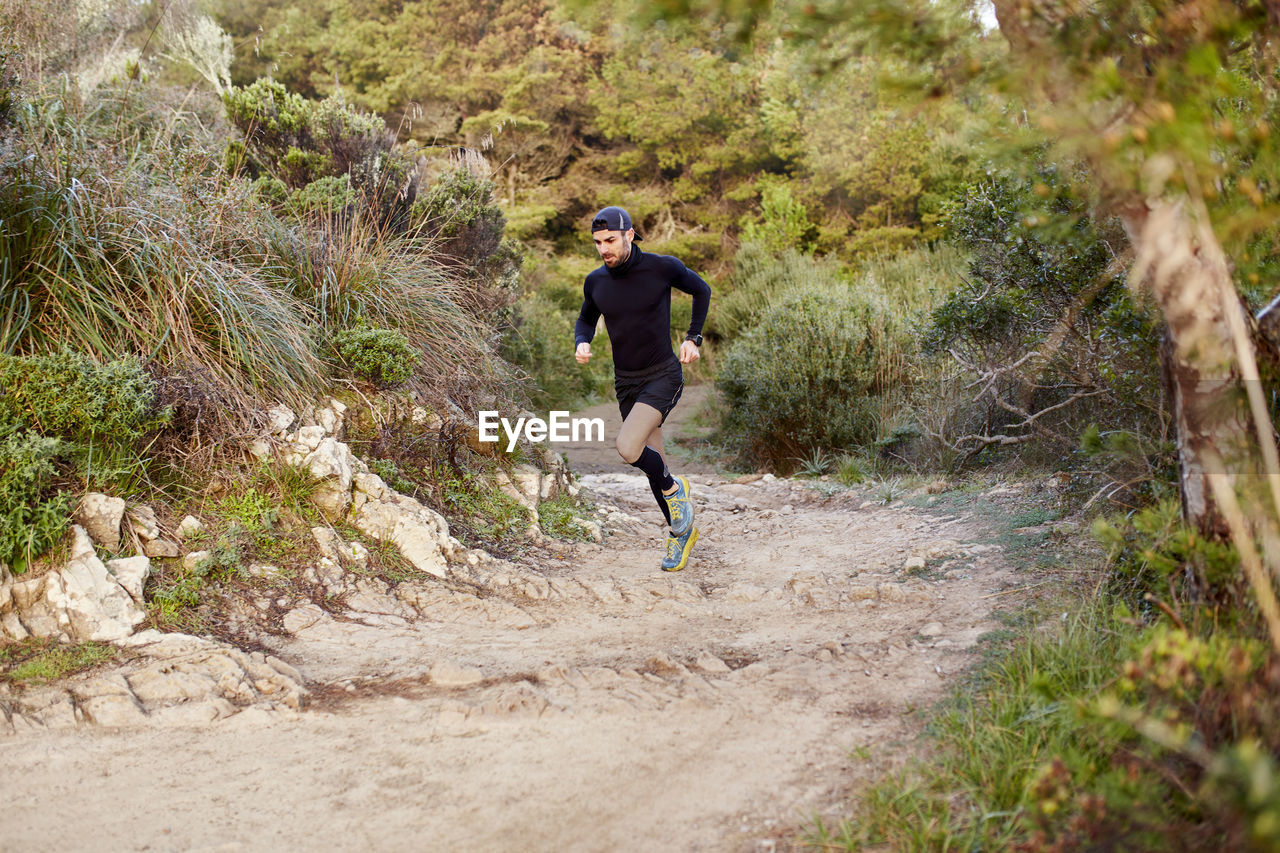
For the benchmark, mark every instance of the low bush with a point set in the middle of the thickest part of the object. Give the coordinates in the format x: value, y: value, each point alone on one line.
x: 805, y: 378
x: 33, y: 511
x: 64, y: 415
x: 101, y: 408
x: 381, y: 356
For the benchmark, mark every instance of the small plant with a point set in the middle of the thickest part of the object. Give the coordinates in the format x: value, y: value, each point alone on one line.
x: 487, y: 513
x: 391, y: 474
x: 558, y: 518
x: 381, y: 356
x: 888, y: 490
x: 817, y: 463
x: 33, y: 512
x: 37, y: 660
x: 251, y: 509
x: 172, y: 596
x: 852, y: 471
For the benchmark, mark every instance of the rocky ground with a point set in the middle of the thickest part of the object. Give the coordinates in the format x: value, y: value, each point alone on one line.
x: 578, y: 699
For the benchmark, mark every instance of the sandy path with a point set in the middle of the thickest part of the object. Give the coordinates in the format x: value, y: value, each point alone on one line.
x: 582, y: 701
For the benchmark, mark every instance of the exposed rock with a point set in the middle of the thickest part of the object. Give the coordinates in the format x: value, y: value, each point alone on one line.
x: 332, y: 463
x: 933, y: 629
x: 131, y: 573
x: 914, y: 564
x: 448, y: 674
x: 82, y: 601
x: 746, y: 593
x: 303, y: 617
x: 108, y: 701
x: 332, y: 418
x: 161, y: 548
x: 421, y: 534
x: 427, y: 418
x: 189, y: 526
x: 100, y: 515
x: 711, y: 664
x: 194, y: 559
x: 143, y: 522
x: 280, y: 418
x: 327, y: 540
x: 593, y: 528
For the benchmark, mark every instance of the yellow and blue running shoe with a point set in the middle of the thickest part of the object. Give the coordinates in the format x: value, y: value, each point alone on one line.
x: 678, y: 548
x: 681, y: 508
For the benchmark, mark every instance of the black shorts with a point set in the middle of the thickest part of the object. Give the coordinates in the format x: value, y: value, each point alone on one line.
x: 659, y: 387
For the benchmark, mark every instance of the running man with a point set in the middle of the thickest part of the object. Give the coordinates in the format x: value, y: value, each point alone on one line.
x: 633, y: 292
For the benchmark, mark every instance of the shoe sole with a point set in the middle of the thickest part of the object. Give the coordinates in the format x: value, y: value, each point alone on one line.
x: 688, y: 494
x: 684, y: 555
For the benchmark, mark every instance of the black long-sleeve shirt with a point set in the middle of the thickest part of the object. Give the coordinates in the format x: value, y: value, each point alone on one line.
x: 635, y: 299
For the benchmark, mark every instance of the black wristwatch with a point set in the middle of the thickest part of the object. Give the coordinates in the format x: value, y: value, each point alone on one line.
x: 696, y: 339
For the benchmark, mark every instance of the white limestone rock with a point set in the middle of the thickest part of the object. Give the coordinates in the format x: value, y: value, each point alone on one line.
x: 131, y: 573
x: 101, y: 516
x: 332, y: 418
x: 280, y: 419
x: 332, y: 464
x: 421, y: 534
x: 143, y: 522
x: 190, y: 526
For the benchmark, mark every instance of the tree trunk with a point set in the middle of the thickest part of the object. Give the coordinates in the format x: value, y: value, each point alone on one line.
x: 1183, y: 268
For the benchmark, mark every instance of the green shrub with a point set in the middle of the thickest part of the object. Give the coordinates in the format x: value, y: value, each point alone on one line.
x: 106, y: 407
x: 33, y: 513
x: 541, y: 343
x: 64, y: 406
x: 326, y: 153
x: 1096, y: 733
x: 382, y: 356
x: 759, y: 277
x: 805, y: 378
x: 1153, y: 550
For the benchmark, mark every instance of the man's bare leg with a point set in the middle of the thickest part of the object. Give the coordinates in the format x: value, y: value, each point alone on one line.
x: 641, y: 423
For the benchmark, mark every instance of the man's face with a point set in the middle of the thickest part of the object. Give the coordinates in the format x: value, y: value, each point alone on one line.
x: 613, y: 246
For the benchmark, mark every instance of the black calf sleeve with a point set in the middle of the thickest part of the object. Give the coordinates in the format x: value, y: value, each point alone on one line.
x: 660, y: 479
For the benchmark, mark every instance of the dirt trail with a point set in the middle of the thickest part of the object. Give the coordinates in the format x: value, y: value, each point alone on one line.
x: 581, y: 700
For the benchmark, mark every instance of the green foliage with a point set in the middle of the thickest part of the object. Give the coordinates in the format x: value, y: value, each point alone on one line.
x: 381, y: 356
x: 39, y: 661
x: 66, y: 394
x: 557, y: 518
x: 326, y: 154
x: 64, y: 407
x: 249, y: 509
x: 1096, y: 730
x: 483, y: 513
x: 852, y: 471
x: 760, y: 276
x: 804, y: 378
x: 1045, y: 315
x: 33, y: 512
x: 1153, y: 550
x: 540, y: 341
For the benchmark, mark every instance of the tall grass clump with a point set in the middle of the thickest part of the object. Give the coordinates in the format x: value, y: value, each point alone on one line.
x: 111, y: 253
x: 122, y: 232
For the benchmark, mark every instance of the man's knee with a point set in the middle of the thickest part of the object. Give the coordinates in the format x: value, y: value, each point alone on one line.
x: 629, y: 450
